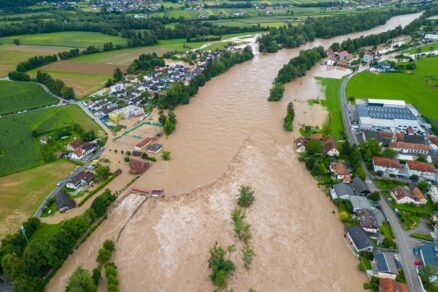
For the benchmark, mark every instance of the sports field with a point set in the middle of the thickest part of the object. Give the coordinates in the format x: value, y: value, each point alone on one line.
x: 11, y: 55
x: 19, y: 150
x: 332, y: 103
x: 74, y: 39
x: 21, y: 193
x: 418, y: 87
x: 18, y: 96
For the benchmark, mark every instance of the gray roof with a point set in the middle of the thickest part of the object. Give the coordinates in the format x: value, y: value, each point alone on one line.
x: 360, y: 202
x: 63, y: 200
x: 342, y: 189
x: 415, y: 139
x: 384, y: 263
x: 367, y: 219
x: 359, y: 237
x: 375, y: 135
x: 359, y: 186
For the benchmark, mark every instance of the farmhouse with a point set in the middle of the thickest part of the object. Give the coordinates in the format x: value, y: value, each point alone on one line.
x: 81, y: 179
x: 340, y: 171
x: 359, y: 240
x: 329, y: 145
x: 423, y: 170
x: 387, y: 166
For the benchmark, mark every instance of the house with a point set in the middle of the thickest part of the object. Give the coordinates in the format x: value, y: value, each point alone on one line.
x: 138, y: 167
x: 433, y: 193
x: 300, y: 145
x: 384, y: 266
x: 342, y: 56
x: 88, y: 147
x: 63, y: 202
x: 75, y: 144
x: 360, y: 187
x: 359, y: 240
x: 359, y: 202
x: 154, y: 148
x: 340, y: 171
x: 331, y: 61
x: 409, y: 148
x: 367, y: 220
x: 423, y: 170
x: 81, y: 179
x: 384, y: 138
x: 387, y: 166
x: 341, y: 191
x: 143, y: 143
x: 403, y: 195
x: 390, y: 285
x: 78, y: 154
x: 329, y: 145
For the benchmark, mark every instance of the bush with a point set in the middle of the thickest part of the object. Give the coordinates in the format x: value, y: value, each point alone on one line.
x: 165, y: 155
x: 246, y: 196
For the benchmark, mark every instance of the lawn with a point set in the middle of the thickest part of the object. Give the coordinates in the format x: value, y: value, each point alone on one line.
x: 74, y: 39
x: 332, y: 103
x: 21, y: 193
x: 45, y: 232
x: 18, y: 96
x: 388, y: 185
x: 19, y: 150
x: 424, y: 48
x: 417, y: 87
x: 11, y: 55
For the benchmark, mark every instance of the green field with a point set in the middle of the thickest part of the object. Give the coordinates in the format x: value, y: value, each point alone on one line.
x: 18, y: 96
x: 418, y: 87
x: 74, y: 39
x: 21, y: 193
x: 425, y: 48
x: 332, y: 102
x: 19, y: 150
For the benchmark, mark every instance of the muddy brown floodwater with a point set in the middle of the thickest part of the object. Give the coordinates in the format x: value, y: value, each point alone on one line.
x: 230, y: 135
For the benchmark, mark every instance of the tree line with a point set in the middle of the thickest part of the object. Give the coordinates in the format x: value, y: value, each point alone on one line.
x: 29, y: 265
x: 324, y: 27
x: 296, y: 67
x: 180, y: 93
x: 145, y: 63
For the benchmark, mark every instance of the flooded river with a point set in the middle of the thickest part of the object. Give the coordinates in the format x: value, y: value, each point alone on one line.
x: 230, y: 135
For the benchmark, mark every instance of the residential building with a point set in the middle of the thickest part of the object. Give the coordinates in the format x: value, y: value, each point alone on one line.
x: 75, y: 144
x: 81, y: 179
x: 138, y: 167
x: 423, y: 170
x: 433, y: 193
x: 340, y: 171
x: 143, y: 143
x: 410, y: 148
x: 384, y: 138
x: 367, y: 220
x: 63, y: 202
x: 403, y: 195
x: 384, y: 266
x: 387, y: 166
x: 341, y: 191
x: 359, y: 202
x: 360, y: 187
x: 329, y: 145
x: 390, y: 285
x: 359, y: 240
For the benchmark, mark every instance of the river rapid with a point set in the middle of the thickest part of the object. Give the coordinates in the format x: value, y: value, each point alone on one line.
x: 227, y: 136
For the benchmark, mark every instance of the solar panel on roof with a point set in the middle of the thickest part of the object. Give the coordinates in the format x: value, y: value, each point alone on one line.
x: 381, y: 262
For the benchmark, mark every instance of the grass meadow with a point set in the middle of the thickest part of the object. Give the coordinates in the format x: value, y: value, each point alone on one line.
x: 74, y: 39
x: 19, y: 150
x: 17, y: 96
x: 21, y: 193
x: 418, y: 87
x: 332, y: 103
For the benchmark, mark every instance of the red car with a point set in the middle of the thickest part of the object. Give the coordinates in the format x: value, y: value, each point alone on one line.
x: 418, y: 263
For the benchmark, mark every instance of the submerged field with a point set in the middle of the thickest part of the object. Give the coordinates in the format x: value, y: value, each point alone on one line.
x: 19, y: 150
x: 21, y: 193
x: 418, y: 87
x: 18, y: 96
x: 11, y: 55
x: 74, y: 39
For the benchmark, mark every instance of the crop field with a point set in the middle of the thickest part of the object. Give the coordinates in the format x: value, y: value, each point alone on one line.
x: 332, y: 103
x: 82, y: 68
x: 21, y: 193
x: 19, y: 150
x: 417, y: 87
x: 11, y: 55
x: 18, y: 96
x: 74, y: 39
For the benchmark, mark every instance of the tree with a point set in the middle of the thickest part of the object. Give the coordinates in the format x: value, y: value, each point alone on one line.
x: 103, y: 256
x: 422, y: 158
x: 118, y: 75
x: 313, y: 147
x: 165, y: 155
x: 246, y: 196
x: 375, y: 196
x: 289, y: 119
x: 247, y: 255
x: 389, y: 153
x: 109, y: 245
x: 81, y: 281
x: 17, y: 42
x: 221, y: 268
x: 126, y: 159
x: 102, y: 172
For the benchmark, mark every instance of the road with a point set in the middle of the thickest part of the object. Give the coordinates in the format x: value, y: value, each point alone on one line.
x: 405, y: 244
x: 62, y: 183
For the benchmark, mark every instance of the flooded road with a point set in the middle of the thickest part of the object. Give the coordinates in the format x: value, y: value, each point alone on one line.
x: 230, y: 135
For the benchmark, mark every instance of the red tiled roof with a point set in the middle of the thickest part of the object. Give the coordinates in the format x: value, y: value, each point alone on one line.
x: 386, y: 162
x: 329, y: 143
x: 421, y: 166
x: 409, y: 146
x: 339, y: 168
x: 343, y: 54
x: 418, y: 194
x: 315, y: 137
x: 75, y: 144
x: 385, y: 134
x: 144, y: 142
x: 401, y: 192
x: 389, y: 285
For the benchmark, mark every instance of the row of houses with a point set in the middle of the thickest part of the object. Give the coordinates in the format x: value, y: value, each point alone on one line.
x: 392, y: 167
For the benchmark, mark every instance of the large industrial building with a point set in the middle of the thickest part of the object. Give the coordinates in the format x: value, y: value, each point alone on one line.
x: 387, y: 115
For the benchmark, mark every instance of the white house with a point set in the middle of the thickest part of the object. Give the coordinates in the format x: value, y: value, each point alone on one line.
x: 387, y: 166
x: 423, y: 170
x: 81, y: 179
x: 403, y: 195
x: 117, y: 87
x: 330, y: 147
x: 340, y: 171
